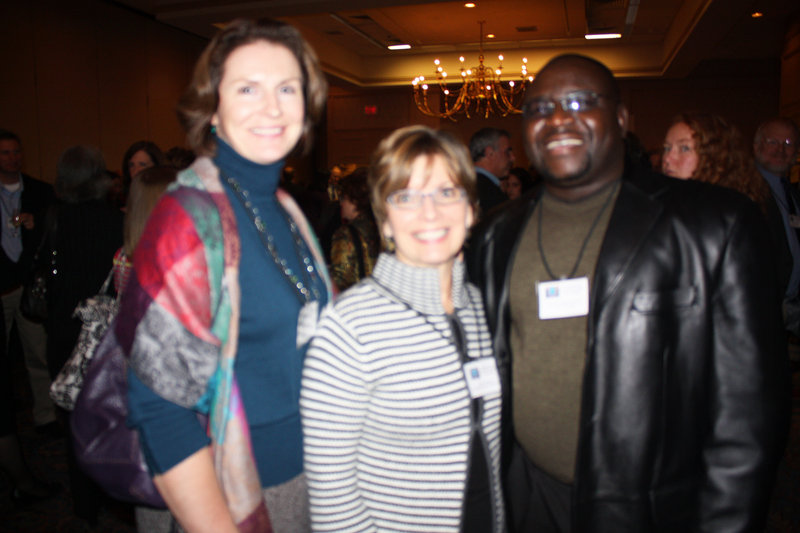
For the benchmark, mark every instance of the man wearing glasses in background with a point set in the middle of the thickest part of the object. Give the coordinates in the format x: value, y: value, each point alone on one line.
x: 775, y: 149
x: 634, y: 322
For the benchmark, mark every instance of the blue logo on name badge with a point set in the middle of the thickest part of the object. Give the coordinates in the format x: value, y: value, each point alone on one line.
x: 552, y: 292
x: 474, y: 373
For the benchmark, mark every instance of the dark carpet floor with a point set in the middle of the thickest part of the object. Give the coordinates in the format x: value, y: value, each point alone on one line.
x: 47, y: 457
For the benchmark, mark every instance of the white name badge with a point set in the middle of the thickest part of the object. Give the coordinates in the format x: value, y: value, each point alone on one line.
x: 563, y: 298
x: 482, y: 378
x: 794, y: 221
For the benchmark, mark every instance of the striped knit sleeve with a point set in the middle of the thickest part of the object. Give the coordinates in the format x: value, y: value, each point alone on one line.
x: 333, y: 403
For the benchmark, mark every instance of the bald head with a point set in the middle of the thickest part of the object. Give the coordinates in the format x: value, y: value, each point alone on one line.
x: 604, y: 78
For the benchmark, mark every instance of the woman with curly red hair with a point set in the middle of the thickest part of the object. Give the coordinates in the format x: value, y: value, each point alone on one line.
x: 705, y: 147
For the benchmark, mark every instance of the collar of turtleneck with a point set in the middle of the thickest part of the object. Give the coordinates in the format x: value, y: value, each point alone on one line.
x: 419, y: 287
x: 259, y: 180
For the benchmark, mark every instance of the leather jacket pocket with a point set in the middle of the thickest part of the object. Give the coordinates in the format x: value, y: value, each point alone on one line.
x: 654, y: 301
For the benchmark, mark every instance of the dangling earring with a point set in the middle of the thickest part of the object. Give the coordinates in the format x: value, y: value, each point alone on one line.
x: 213, y: 130
x: 388, y: 244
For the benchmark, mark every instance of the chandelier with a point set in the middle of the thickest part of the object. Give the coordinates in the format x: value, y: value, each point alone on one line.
x: 480, y: 93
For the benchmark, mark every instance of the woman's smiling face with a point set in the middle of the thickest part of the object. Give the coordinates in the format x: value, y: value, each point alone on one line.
x: 432, y: 234
x: 261, y: 106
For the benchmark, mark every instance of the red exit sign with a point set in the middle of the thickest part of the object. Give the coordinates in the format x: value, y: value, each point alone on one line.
x: 370, y: 110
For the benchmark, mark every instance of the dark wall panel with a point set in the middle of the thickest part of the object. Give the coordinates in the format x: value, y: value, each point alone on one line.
x: 87, y: 71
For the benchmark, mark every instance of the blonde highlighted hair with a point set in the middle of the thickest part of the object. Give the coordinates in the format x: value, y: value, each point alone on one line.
x: 145, y: 191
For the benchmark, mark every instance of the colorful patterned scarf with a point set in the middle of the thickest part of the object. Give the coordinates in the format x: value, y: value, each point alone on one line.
x: 184, y: 299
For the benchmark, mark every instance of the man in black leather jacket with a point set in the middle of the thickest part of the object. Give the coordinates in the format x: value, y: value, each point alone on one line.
x: 636, y: 325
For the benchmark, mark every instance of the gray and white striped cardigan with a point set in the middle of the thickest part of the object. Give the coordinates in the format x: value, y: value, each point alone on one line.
x: 386, y: 410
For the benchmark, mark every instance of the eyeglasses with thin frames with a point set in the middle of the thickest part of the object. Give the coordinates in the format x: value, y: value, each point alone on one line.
x: 576, y: 102
x: 411, y: 199
x: 778, y: 143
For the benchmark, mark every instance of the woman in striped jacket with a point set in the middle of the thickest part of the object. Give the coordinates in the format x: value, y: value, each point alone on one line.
x: 400, y: 399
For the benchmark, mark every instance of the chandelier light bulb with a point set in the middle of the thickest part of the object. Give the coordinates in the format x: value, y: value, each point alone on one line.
x: 469, y: 71
x: 461, y: 59
x: 444, y: 74
x: 498, y: 71
x: 511, y: 84
x: 436, y: 61
x: 500, y: 57
x: 438, y: 69
x: 424, y: 86
x: 524, y: 59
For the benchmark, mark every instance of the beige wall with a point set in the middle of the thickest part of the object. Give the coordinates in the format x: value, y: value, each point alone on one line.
x: 88, y: 72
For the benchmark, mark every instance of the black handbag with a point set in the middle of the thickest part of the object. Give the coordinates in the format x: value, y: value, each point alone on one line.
x: 33, y: 304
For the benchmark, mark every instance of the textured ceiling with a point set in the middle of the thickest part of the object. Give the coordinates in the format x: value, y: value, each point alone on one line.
x: 660, y: 37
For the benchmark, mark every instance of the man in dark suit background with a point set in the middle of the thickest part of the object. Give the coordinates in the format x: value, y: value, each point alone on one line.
x: 491, y: 152
x: 24, y: 204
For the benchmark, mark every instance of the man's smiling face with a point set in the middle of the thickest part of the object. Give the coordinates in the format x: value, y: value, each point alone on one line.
x: 576, y: 150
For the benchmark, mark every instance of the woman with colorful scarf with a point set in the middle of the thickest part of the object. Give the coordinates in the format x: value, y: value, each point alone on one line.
x: 225, y: 292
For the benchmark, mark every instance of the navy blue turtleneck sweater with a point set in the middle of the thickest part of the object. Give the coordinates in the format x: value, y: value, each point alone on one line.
x: 268, y: 363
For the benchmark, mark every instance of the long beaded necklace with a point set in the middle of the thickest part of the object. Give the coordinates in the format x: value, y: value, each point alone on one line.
x: 306, y: 291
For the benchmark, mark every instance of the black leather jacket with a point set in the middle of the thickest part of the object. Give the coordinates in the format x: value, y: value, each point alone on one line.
x: 685, y: 392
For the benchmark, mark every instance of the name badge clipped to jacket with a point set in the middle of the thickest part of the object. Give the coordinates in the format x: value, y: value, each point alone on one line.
x: 563, y: 298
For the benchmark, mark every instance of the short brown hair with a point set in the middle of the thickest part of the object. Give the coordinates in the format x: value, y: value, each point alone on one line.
x: 390, y: 169
x: 201, y: 99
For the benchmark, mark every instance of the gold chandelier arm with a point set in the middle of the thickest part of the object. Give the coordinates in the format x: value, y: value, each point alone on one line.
x: 481, y: 91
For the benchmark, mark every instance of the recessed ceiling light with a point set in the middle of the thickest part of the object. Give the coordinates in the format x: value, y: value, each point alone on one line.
x: 399, y: 46
x: 603, y: 36
x: 490, y: 35
x: 469, y: 4
x: 756, y: 14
